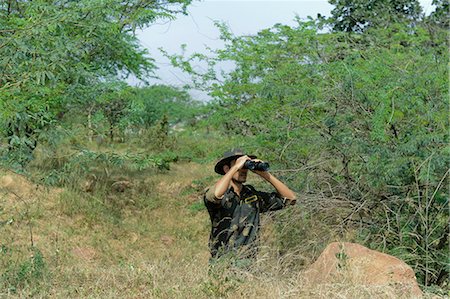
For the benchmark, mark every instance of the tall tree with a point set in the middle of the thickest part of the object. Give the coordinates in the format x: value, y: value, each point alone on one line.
x: 358, y: 15
x: 151, y: 103
x: 441, y: 15
x: 52, y: 51
x: 369, y: 127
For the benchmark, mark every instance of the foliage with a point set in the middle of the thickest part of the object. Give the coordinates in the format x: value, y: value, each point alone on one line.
x: 18, y: 275
x: 53, y: 51
x: 79, y: 164
x: 357, y: 16
x: 123, y: 111
x: 441, y: 15
x: 357, y: 117
x: 114, y: 105
x: 152, y: 103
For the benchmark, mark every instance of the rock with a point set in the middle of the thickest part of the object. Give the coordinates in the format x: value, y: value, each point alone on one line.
x: 360, y: 265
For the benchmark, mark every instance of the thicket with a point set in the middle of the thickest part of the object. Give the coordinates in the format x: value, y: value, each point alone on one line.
x: 63, y: 101
x: 59, y: 57
x: 358, y: 116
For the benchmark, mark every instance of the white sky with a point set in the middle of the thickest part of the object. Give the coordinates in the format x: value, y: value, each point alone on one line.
x: 243, y: 17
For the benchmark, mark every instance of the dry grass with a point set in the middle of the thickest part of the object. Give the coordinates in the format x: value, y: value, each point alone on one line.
x: 155, y: 251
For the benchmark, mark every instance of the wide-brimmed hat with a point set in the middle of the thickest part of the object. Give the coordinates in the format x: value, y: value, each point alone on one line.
x: 228, y: 157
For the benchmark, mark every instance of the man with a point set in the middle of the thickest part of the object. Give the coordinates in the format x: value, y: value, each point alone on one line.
x: 234, y: 208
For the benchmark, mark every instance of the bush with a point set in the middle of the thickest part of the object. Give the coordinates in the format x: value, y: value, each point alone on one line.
x: 22, y: 273
x: 360, y: 118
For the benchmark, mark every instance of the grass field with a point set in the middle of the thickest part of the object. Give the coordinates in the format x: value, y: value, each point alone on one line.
x: 145, y: 240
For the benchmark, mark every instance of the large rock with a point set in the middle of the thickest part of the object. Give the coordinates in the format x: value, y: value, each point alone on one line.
x: 356, y: 264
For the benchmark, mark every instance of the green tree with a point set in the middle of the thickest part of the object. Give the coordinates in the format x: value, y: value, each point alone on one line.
x: 358, y: 15
x: 358, y: 117
x: 51, y: 52
x: 114, y: 103
x: 441, y: 15
x: 150, y: 104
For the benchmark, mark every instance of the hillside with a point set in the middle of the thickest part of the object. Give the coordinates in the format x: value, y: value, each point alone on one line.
x: 137, y: 254
x: 156, y: 250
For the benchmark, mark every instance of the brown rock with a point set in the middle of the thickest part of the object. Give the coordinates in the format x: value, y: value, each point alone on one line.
x: 360, y: 265
x: 88, y: 186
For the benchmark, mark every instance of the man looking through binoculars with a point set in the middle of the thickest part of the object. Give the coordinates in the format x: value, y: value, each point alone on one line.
x: 234, y: 208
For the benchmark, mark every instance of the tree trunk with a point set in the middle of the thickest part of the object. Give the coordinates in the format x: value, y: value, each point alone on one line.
x: 111, y: 132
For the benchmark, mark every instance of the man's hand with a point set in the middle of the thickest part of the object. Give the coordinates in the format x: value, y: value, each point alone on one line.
x: 222, y: 185
x: 263, y: 174
x: 240, y: 162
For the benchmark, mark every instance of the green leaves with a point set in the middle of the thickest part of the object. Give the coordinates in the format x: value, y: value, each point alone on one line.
x: 52, y: 52
x: 351, y: 115
x: 151, y: 103
x: 358, y: 15
x: 441, y: 15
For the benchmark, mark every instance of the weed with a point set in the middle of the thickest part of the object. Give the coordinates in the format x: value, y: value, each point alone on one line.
x: 24, y: 273
x: 197, y: 207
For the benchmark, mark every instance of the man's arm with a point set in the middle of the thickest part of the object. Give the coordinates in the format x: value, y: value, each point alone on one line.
x: 222, y: 185
x: 281, y: 188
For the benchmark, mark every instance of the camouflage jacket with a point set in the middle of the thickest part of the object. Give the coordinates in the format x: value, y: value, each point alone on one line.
x: 236, y: 219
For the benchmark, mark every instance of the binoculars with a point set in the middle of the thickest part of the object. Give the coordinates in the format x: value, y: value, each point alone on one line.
x: 253, y: 165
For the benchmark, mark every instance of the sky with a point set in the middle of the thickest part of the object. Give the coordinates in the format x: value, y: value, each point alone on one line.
x: 197, y: 29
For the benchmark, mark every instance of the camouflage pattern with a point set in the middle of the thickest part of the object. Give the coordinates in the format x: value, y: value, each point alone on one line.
x: 236, y: 219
